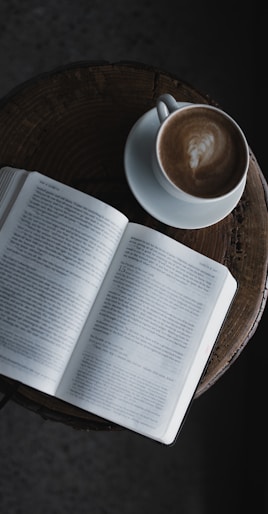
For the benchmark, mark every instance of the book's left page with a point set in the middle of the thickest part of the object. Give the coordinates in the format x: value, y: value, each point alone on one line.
x: 56, y: 246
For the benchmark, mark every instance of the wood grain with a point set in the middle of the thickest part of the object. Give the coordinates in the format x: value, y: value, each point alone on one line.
x: 72, y: 124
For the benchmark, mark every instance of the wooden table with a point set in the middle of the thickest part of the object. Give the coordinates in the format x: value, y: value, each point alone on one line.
x: 72, y: 124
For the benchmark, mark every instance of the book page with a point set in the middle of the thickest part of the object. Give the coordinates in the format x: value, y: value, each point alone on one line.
x: 11, y: 181
x: 56, y: 246
x: 139, y: 342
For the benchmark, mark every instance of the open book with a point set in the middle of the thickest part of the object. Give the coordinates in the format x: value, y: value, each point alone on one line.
x: 111, y: 316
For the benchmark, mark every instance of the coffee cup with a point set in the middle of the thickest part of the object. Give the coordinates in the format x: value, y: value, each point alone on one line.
x: 200, y: 153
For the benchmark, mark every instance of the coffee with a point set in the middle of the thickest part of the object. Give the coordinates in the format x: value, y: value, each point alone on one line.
x: 202, y: 151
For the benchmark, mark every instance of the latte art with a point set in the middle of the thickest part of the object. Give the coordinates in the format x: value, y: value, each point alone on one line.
x: 201, y: 152
x: 200, y: 149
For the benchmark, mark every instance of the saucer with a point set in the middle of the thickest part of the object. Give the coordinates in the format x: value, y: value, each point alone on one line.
x: 151, y: 196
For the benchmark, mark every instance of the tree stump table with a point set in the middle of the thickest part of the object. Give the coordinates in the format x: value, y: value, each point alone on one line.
x: 72, y: 124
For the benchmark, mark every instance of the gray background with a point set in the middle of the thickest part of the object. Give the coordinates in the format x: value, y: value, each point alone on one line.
x: 219, y: 462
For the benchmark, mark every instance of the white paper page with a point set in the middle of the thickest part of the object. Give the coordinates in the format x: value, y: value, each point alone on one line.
x: 55, y: 248
x: 137, y: 347
x: 11, y: 180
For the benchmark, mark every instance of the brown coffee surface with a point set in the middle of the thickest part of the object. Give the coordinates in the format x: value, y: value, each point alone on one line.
x: 202, y: 152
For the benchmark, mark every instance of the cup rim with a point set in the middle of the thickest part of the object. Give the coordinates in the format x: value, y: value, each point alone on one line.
x: 180, y: 191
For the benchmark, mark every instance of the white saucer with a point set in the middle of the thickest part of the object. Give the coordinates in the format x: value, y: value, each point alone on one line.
x: 147, y: 190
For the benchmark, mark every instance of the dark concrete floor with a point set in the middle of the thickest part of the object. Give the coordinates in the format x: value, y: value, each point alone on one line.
x: 219, y: 462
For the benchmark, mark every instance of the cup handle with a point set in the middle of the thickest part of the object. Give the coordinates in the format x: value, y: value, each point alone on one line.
x: 165, y: 104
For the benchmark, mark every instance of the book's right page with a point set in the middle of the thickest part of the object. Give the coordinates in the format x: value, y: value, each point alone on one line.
x: 149, y: 335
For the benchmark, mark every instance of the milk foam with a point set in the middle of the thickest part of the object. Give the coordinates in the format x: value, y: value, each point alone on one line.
x: 200, y: 149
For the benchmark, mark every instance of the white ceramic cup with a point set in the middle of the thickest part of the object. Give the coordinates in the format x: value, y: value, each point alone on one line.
x: 200, y: 154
